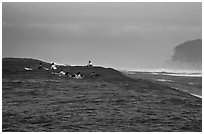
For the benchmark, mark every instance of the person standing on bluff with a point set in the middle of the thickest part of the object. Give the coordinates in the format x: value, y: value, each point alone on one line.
x: 90, y: 64
x: 53, y: 66
x: 40, y: 66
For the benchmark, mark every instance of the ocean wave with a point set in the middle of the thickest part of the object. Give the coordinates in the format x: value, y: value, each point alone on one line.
x: 164, y: 80
x: 170, y: 72
x: 191, y: 83
x: 198, y: 96
x: 182, y: 74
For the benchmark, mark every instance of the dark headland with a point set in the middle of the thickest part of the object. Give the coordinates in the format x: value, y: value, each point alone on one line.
x: 39, y: 101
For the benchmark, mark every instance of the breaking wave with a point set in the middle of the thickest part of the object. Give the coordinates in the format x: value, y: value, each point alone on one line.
x: 164, y: 80
x: 170, y: 72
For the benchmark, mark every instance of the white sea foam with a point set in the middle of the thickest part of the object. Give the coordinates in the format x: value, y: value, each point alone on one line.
x: 196, y: 95
x: 182, y: 74
x: 199, y: 96
x: 170, y: 72
x: 164, y: 80
x: 191, y: 83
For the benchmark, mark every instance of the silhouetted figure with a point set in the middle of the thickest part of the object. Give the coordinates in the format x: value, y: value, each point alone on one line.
x: 90, y: 64
x: 93, y: 74
x: 62, y: 72
x: 67, y: 74
x: 40, y: 66
x: 53, y: 66
x: 78, y: 74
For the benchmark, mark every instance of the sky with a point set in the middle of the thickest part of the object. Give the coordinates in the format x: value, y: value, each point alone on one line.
x: 119, y: 35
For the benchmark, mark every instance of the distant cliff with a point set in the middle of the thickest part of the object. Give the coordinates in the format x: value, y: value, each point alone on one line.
x: 187, y: 55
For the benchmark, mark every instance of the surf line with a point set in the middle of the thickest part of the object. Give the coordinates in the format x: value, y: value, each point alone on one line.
x: 198, y: 96
x: 195, y: 95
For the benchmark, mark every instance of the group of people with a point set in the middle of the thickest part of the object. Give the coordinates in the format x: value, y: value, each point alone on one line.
x: 67, y: 74
x: 62, y: 73
x: 54, y: 67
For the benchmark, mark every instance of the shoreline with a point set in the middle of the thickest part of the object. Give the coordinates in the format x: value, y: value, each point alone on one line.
x: 195, y: 95
x: 198, y: 96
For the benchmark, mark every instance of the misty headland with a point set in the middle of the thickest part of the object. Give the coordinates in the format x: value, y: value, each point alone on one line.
x: 187, y: 55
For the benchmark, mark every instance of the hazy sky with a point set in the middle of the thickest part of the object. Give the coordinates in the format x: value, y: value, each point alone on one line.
x: 119, y: 35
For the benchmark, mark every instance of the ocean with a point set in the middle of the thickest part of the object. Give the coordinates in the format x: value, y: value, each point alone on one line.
x: 189, y: 81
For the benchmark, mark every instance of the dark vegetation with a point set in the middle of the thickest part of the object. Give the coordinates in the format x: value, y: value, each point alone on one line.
x: 39, y: 101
